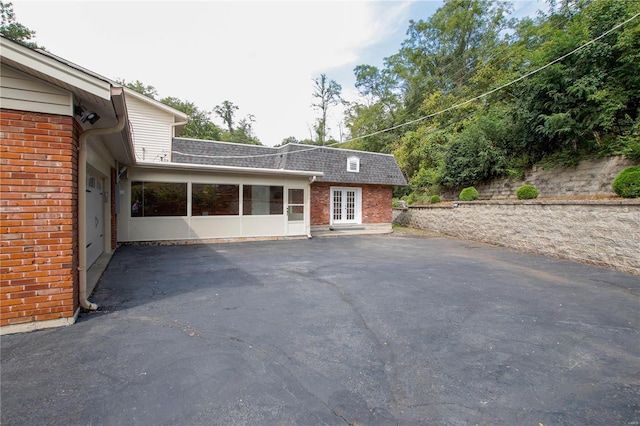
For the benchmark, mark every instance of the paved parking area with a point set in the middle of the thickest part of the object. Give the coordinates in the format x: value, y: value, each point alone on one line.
x: 366, y: 330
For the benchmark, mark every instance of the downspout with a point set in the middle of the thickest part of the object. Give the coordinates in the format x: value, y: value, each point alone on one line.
x: 82, y: 206
x: 308, y: 203
x: 173, y: 135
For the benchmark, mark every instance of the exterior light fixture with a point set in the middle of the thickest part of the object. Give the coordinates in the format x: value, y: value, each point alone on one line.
x: 85, y: 115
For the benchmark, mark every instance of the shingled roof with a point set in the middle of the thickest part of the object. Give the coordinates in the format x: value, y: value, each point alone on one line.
x: 375, y: 168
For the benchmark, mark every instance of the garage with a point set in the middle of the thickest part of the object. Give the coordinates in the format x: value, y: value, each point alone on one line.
x: 94, y: 218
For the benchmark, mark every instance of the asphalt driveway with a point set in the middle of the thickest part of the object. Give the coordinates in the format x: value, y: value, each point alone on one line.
x: 352, y: 330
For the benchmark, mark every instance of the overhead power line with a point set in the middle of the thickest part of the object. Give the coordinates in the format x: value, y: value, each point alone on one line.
x: 458, y: 105
x: 468, y: 101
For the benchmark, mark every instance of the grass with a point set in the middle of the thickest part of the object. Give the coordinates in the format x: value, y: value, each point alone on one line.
x: 414, y: 232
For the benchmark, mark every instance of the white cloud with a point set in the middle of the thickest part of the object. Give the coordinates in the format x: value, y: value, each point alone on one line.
x: 262, y: 56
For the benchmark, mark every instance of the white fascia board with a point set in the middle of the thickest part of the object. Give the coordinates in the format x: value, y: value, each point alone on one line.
x: 178, y: 115
x: 55, y: 69
x: 226, y: 169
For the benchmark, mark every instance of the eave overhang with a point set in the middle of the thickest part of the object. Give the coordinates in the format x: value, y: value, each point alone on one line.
x: 227, y: 169
x: 54, y: 70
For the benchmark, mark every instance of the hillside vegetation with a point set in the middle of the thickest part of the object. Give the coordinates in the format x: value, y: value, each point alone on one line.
x: 568, y: 88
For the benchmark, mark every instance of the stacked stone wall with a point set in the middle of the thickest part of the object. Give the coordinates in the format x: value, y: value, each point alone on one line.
x: 588, y: 178
x: 604, y: 233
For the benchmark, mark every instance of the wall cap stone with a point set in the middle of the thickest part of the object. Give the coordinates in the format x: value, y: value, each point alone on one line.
x: 450, y: 204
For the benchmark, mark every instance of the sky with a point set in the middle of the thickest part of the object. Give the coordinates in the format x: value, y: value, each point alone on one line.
x: 263, y: 56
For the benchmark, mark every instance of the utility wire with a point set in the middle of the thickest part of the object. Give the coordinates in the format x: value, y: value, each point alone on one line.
x: 417, y: 120
x: 497, y: 88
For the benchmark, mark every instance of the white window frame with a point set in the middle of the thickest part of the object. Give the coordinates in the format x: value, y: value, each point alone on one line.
x: 342, y: 220
x: 353, y: 164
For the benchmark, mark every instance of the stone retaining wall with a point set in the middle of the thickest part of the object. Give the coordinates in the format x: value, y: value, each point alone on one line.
x: 588, y: 178
x: 604, y: 233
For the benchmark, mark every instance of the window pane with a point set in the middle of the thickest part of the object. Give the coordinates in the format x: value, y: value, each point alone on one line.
x: 295, y: 213
x: 214, y: 200
x: 158, y: 199
x: 351, y: 205
x: 296, y: 196
x: 262, y: 200
x: 337, y: 205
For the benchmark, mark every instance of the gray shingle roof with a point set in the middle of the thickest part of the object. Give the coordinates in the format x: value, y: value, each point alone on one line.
x: 375, y: 168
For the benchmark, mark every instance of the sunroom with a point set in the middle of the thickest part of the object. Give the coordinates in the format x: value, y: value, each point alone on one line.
x: 168, y: 201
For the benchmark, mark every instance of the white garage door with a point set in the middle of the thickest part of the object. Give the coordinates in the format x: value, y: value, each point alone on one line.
x: 95, y: 219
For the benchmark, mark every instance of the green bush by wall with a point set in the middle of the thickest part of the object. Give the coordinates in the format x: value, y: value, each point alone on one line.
x: 527, y: 192
x: 627, y: 183
x: 434, y: 199
x: 468, y: 194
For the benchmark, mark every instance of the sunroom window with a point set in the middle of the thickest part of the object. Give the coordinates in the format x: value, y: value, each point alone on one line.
x: 262, y: 200
x: 158, y: 199
x: 215, y: 200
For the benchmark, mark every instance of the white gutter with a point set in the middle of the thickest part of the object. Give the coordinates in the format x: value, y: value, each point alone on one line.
x: 56, y: 68
x: 82, y: 206
x: 225, y: 169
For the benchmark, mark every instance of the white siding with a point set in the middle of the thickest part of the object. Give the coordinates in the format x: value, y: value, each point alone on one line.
x: 25, y: 93
x: 151, y: 129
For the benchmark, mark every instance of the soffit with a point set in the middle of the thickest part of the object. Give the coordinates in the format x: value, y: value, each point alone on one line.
x: 56, y: 71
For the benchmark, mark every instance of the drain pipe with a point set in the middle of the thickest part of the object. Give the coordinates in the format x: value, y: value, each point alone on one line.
x: 82, y: 206
x: 311, y: 180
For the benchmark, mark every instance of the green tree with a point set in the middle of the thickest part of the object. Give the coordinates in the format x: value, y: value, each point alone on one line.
x: 443, y: 53
x: 590, y: 100
x: 227, y: 111
x: 586, y: 103
x: 476, y: 153
x: 199, y: 125
x: 375, y: 112
x: 140, y: 87
x: 327, y: 93
x: 290, y: 139
x: 243, y: 133
x: 14, y: 30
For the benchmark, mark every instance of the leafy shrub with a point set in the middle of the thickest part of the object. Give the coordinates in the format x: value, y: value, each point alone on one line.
x: 469, y: 194
x: 434, y: 199
x: 410, y: 198
x: 632, y: 151
x: 475, y: 153
x: 527, y: 192
x: 627, y: 183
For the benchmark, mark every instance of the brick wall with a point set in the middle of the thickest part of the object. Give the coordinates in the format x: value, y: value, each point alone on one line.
x: 38, y: 215
x: 376, y: 203
x: 604, y: 233
x: 320, y: 203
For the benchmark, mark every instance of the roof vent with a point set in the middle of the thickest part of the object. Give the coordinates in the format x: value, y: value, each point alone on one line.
x: 353, y: 164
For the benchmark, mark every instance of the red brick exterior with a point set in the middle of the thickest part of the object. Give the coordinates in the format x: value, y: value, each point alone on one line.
x: 320, y: 204
x: 376, y: 203
x: 38, y: 217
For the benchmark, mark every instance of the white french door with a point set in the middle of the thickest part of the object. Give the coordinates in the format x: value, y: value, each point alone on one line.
x: 346, y: 205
